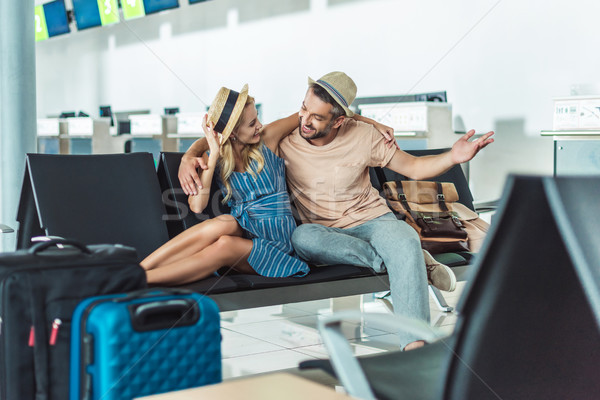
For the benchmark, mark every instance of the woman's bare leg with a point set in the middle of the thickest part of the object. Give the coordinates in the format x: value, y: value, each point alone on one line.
x: 192, y: 241
x: 228, y: 250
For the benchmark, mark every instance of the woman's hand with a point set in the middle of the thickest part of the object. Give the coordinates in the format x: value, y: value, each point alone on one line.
x: 212, y: 138
x: 388, y: 133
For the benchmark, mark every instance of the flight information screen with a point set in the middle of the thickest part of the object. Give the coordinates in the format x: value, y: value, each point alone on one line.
x: 51, y: 20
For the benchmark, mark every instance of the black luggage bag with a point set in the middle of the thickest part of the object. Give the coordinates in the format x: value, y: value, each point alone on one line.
x: 39, y: 289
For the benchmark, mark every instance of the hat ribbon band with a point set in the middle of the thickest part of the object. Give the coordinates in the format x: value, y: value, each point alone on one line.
x: 227, y: 110
x: 337, y: 94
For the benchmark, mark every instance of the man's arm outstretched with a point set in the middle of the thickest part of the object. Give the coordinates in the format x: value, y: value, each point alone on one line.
x: 426, y: 167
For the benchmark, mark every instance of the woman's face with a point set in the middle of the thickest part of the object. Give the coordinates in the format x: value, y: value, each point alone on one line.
x: 248, y: 131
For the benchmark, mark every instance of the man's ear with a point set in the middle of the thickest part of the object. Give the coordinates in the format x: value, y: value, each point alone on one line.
x: 338, y: 121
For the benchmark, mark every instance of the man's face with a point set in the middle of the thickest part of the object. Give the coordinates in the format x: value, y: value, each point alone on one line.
x: 315, y: 117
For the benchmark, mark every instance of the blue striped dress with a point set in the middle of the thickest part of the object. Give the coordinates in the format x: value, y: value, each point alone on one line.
x: 261, y: 206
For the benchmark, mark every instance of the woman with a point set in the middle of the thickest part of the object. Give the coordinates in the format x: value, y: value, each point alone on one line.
x: 255, y: 238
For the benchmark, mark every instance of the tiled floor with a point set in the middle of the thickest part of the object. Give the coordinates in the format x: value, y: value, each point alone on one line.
x: 279, y: 337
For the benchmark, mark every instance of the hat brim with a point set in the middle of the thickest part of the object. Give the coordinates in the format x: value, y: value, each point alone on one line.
x: 349, y: 112
x: 236, y: 112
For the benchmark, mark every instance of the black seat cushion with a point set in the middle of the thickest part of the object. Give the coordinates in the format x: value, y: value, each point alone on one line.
x: 317, y: 274
x: 212, y: 285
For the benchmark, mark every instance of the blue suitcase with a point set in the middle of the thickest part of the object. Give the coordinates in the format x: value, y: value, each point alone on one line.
x: 142, y: 343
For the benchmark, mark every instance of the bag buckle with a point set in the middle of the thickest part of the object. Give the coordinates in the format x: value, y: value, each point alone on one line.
x: 441, y: 197
x: 402, y: 196
x: 457, y: 221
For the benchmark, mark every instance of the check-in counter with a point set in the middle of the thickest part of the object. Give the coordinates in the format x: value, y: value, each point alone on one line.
x: 105, y: 139
x: 49, y: 131
x: 576, y: 152
x: 417, y: 125
x: 186, y: 130
x: 68, y: 135
x: 145, y: 133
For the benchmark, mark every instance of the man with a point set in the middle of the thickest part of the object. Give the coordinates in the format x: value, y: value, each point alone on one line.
x: 345, y: 221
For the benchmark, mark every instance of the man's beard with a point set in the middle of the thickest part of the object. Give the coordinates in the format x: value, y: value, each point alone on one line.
x: 317, y: 134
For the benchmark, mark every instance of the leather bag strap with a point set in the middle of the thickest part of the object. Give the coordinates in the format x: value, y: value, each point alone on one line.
x: 440, y: 197
x: 403, y: 201
x: 442, y: 204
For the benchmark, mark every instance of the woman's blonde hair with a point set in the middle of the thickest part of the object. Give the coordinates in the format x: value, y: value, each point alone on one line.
x: 250, y: 153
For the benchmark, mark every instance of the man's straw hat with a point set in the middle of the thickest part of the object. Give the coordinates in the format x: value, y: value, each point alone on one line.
x: 226, y: 109
x: 340, y: 86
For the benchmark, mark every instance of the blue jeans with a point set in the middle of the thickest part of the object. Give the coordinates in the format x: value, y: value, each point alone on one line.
x: 382, y: 243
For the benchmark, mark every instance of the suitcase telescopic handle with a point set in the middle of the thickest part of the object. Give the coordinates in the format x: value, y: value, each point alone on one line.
x: 152, y: 292
x: 39, y: 247
x: 164, y: 314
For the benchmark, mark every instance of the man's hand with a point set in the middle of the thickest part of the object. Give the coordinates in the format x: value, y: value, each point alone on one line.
x: 463, y: 150
x: 188, y: 174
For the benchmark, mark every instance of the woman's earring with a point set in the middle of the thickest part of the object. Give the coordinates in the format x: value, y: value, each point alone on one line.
x: 233, y: 138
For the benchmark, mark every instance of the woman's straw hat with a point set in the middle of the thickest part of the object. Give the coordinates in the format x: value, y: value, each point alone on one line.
x: 226, y: 109
x: 340, y: 86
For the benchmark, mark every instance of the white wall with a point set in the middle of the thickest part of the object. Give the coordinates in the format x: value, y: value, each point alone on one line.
x: 501, y: 62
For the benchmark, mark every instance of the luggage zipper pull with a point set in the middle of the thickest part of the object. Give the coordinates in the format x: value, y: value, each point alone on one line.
x: 55, y: 326
x: 31, y: 336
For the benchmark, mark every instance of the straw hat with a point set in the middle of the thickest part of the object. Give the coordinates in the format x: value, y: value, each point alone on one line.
x: 226, y: 109
x: 340, y: 86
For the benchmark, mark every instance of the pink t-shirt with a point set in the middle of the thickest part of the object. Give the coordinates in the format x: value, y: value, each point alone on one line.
x: 330, y: 184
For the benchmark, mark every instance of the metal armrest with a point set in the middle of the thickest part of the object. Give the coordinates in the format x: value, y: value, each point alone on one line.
x: 36, y: 239
x: 6, y: 229
x: 485, y: 206
x: 345, y: 364
x: 45, y: 238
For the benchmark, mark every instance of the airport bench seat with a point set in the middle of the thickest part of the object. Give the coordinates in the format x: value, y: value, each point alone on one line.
x: 123, y: 198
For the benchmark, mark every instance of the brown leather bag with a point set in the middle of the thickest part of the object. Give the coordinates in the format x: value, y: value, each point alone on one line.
x: 432, y: 209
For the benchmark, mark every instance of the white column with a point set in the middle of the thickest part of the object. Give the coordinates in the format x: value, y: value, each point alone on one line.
x: 17, y: 106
